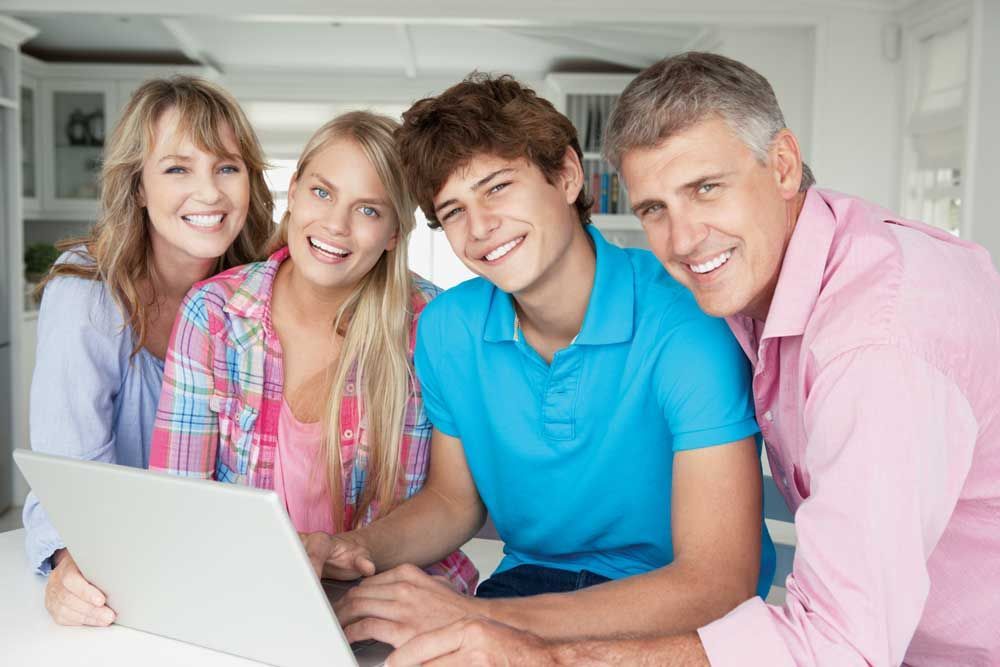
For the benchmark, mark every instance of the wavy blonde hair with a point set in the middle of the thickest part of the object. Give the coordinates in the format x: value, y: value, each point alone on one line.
x: 117, y: 249
x: 375, y: 324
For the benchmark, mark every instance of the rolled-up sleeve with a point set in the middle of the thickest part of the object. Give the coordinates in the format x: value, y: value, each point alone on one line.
x: 889, y: 444
x: 78, y: 373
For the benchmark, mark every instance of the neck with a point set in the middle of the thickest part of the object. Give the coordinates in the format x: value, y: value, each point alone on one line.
x: 555, y: 306
x: 759, y: 307
x: 172, y: 275
x: 307, y: 301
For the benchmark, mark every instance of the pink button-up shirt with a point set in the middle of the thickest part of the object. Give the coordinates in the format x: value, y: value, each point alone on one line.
x: 877, y: 389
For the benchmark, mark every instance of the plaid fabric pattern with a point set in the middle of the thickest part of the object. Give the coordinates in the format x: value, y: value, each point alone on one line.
x: 222, y: 391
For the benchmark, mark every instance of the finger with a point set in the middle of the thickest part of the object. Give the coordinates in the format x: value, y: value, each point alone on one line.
x: 401, y: 573
x: 428, y: 646
x: 79, y: 610
x: 74, y: 582
x: 354, y: 610
x: 364, y: 565
x: 379, y: 629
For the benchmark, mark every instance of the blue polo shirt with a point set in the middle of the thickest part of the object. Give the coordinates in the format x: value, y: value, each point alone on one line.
x: 574, y: 459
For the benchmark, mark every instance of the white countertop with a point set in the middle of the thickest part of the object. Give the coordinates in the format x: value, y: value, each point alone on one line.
x: 28, y: 636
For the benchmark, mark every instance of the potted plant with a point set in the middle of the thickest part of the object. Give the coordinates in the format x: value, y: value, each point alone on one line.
x: 38, y: 258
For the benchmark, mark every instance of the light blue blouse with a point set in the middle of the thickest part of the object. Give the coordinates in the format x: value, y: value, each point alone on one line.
x: 89, y: 399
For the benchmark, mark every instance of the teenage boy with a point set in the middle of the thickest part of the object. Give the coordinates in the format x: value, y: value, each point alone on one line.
x: 576, y: 392
x: 874, y: 341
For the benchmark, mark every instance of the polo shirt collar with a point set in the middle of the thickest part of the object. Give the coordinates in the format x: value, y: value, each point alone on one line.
x: 802, y: 269
x: 610, y: 311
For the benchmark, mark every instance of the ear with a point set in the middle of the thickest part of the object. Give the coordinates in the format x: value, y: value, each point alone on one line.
x: 392, y: 242
x: 571, y: 180
x: 786, y: 163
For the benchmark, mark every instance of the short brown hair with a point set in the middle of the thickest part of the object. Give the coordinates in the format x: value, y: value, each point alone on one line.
x: 672, y: 95
x: 483, y: 115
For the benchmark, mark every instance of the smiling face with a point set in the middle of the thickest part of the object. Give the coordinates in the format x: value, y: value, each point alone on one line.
x: 196, y: 202
x: 340, y: 219
x: 506, y: 222
x: 717, y: 219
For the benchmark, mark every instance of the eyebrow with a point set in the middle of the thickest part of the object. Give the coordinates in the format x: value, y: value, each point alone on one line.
x: 182, y: 158
x: 475, y: 186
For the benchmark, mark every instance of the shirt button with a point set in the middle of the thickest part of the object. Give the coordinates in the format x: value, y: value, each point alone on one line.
x: 784, y: 481
x: 348, y: 434
x: 769, y: 416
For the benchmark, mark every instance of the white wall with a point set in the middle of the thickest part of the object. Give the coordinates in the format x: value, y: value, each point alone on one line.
x: 984, y: 130
x: 857, y: 108
x: 785, y: 57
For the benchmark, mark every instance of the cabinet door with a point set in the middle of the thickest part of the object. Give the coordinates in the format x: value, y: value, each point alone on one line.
x: 30, y: 171
x: 75, y: 121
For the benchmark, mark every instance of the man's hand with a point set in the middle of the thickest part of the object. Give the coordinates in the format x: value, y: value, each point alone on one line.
x: 338, y: 557
x: 474, y: 642
x: 71, y: 599
x: 401, y: 603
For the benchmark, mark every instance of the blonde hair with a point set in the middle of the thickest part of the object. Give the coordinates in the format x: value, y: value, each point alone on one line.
x: 375, y: 323
x: 117, y: 249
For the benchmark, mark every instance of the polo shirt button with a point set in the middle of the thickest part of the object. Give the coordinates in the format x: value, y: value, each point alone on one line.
x: 769, y: 416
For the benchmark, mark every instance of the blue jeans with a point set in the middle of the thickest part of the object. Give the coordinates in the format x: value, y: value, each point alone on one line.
x: 525, y: 580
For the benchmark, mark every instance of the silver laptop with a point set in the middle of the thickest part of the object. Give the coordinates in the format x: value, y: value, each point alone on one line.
x: 211, y: 564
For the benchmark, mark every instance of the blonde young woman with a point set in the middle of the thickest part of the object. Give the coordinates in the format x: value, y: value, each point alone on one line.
x: 295, y: 373
x: 183, y: 196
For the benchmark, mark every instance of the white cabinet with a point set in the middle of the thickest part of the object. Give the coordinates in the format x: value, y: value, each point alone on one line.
x: 31, y: 175
x: 75, y: 115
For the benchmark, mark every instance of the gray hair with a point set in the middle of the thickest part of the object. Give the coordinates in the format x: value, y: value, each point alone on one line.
x: 680, y: 91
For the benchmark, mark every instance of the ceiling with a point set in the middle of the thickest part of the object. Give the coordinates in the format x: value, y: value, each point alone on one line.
x: 404, y: 49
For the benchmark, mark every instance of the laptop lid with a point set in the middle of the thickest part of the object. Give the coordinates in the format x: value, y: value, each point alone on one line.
x: 212, y: 564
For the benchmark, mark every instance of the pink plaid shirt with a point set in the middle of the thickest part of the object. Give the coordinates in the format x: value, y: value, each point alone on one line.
x: 222, y: 392
x: 877, y: 389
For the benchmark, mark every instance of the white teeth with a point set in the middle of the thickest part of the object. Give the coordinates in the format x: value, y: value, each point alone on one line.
x: 503, y: 250
x: 712, y: 264
x: 204, y: 220
x: 327, y: 248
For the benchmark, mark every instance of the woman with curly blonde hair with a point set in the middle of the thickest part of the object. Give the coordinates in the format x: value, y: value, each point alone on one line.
x: 183, y: 197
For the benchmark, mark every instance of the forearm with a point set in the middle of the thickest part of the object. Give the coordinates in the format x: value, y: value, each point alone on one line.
x: 421, y: 531
x: 674, y: 599
x: 676, y: 651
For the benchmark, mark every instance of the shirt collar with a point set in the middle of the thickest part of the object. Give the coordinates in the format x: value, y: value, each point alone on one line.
x: 802, y: 270
x: 251, y: 298
x: 610, y: 311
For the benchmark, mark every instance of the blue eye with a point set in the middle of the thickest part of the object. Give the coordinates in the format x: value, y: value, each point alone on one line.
x: 369, y: 211
x: 321, y: 193
x: 705, y: 188
x: 498, y: 187
x: 230, y: 169
x: 175, y: 170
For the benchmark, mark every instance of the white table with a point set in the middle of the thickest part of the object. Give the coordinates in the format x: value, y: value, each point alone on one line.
x: 28, y: 636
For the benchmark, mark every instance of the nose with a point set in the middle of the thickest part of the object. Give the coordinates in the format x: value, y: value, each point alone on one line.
x: 482, y: 223
x: 338, y: 220
x: 686, y: 234
x: 208, y: 190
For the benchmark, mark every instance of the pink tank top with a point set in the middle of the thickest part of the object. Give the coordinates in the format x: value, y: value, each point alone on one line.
x: 300, y: 477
